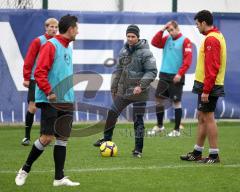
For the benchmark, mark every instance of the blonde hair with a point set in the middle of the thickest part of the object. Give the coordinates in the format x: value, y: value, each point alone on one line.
x: 174, y: 24
x: 51, y: 21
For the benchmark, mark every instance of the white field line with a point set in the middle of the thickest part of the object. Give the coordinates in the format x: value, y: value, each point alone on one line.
x: 112, y: 169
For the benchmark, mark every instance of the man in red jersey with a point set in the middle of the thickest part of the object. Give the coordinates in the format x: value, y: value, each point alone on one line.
x: 51, y: 29
x: 209, y: 85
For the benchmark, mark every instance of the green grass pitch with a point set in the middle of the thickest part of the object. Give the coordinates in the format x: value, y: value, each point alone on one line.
x: 159, y: 170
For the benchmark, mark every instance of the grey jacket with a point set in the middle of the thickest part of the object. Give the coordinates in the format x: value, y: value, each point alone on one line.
x: 136, y: 66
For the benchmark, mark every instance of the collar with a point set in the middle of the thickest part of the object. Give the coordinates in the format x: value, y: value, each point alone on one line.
x: 64, y: 41
x: 178, y: 36
x: 48, y: 36
x: 214, y: 29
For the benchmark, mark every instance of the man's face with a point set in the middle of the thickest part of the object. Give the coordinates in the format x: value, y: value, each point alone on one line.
x: 52, y: 29
x: 132, y: 39
x: 173, y: 31
x: 200, y: 26
x: 73, y: 31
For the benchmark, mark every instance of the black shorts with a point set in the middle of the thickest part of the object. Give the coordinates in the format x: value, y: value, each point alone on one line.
x: 207, y: 107
x: 54, y: 120
x: 169, y: 90
x: 31, y: 91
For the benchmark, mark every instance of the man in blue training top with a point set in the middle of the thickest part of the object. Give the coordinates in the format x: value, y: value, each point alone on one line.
x: 54, y: 66
x: 177, y: 58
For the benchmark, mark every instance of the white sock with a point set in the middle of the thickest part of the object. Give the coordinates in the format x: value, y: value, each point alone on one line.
x: 198, y: 148
x: 213, y: 151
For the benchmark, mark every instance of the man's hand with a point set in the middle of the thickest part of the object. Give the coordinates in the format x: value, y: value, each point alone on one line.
x: 177, y: 78
x: 166, y: 26
x: 52, y: 97
x: 26, y: 83
x: 204, y: 98
x: 137, y: 90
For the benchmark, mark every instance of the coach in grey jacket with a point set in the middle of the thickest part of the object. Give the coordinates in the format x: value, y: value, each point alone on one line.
x: 136, y: 69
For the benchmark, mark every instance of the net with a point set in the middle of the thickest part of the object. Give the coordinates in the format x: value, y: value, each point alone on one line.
x: 20, y: 4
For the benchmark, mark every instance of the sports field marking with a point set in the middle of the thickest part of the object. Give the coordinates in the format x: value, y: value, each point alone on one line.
x: 105, y: 169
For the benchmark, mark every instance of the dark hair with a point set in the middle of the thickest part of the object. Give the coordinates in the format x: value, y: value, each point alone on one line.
x: 206, y: 16
x: 67, y: 21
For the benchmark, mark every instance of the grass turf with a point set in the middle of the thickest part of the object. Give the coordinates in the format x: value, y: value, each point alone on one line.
x: 159, y: 170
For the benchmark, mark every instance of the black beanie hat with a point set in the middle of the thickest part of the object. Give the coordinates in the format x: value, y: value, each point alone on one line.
x: 133, y: 29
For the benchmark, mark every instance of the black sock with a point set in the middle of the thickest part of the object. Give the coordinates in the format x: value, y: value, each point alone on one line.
x: 28, y: 124
x: 160, y: 115
x: 214, y: 156
x: 33, y: 155
x: 59, y: 154
x: 178, y: 117
x: 196, y: 152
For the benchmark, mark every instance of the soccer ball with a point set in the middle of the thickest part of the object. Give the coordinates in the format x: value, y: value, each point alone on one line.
x: 108, y: 149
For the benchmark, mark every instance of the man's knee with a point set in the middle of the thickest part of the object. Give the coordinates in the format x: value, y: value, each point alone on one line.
x: 201, y: 118
x: 112, y: 113
x: 159, y: 101
x: 46, y: 139
x: 32, y: 107
x: 177, y: 104
x: 204, y: 117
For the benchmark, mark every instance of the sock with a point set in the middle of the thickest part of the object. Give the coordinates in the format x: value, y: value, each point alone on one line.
x: 36, y: 151
x: 28, y: 124
x: 160, y: 115
x: 178, y: 117
x: 213, y: 153
x: 59, y: 154
x: 197, y: 150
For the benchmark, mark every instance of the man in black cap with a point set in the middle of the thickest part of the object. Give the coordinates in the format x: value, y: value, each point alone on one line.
x: 135, y: 71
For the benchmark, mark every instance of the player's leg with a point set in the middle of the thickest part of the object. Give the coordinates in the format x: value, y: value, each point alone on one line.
x: 62, y: 128
x: 196, y: 154
x: 161, y: 94
x: 160, y: 111
x: 206, y: 127
x: 48, y: 116
x: 178, y: 117
x: 175, y: 94
x: 119, y: 104
x: 211, y: 129
x: 161, y: 97
x: 30, y: 113
x: 37, y: 149
x: 138, y: 113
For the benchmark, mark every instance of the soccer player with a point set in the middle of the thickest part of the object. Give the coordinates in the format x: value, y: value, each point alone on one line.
x: 54, y: 66
x: 51, y: 28
x: 136, y: 69
x: 177, y: 58
x: 209, y: 85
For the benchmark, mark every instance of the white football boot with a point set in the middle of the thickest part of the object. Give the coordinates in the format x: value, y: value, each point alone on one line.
x: 156, y: 129
x: 21, y: 177
x: 65, y: 182
x: 174, y: 133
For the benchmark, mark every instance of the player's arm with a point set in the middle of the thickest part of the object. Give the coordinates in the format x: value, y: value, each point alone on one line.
x: 212, y: 49
x: 158, y: 40
x: 187, y: 60
x: 30, y: 58
x: 44, y: 64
